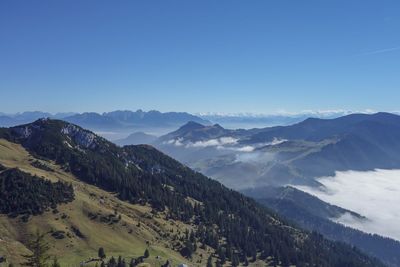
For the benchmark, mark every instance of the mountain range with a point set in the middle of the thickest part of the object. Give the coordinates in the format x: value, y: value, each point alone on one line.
x: 295, y: 154
x: 113, y: 125
x: 137, y: 197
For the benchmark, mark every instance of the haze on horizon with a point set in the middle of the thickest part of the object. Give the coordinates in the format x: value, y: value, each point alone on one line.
x: 226, y: 56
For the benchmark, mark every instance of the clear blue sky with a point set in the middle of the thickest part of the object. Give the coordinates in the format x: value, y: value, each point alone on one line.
x: 199, y: 56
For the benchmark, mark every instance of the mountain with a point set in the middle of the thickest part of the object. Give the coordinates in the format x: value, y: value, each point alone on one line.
x: 193, y: 132
x: 72, y: 224
x: 136, y: 139
x: 186, y: 213
x: 295, y: 154
x: 313, y: 214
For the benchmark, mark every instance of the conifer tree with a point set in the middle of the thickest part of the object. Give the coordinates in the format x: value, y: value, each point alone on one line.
x: 55, y: 263
x: 146, y: 253
x: 209, y: 262
x: 101, y: 253
x: 39, y: 248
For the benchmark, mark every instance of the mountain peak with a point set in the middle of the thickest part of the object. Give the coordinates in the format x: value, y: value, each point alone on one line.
x: 65, y: 132
x: 191, y: 125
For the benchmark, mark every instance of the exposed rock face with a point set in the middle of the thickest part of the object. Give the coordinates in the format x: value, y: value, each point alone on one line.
x: 80, y: 137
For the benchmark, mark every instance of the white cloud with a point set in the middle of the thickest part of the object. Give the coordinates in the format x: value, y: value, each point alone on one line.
x: 175, y: 142
x: 374, y: 194
x: 214, y: 142
x: 276, y: 141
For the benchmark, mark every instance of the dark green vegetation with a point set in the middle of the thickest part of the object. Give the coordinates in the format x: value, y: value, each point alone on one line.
x: 41, y: 165
x: 313, y: 214
x: 235, y: 226
x: 22, y: 193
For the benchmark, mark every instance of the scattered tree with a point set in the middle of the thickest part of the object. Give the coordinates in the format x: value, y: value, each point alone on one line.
x: 39, y: 249
x: 101, y: 253
x: 146, y: 253
x: 55, y: 263
x: 209, y: 262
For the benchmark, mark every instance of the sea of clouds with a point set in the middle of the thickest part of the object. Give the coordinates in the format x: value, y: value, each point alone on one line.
x: 373, y: 194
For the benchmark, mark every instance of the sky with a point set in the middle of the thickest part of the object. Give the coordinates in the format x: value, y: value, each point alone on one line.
x: 227, y: 56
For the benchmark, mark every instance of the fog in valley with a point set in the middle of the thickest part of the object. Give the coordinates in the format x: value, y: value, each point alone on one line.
x: 373, y: 194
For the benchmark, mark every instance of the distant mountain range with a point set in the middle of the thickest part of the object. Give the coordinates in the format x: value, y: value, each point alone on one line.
x: 112, y: 125
x: 132, y: 119
x: 247, y: 121
x: 295, y: 154
x: 141, y: 120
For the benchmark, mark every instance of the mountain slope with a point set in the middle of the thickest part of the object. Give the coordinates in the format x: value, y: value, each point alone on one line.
x: 236, y: 227
x: 91, y: 212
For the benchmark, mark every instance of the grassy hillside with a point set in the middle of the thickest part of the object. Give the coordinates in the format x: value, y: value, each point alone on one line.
x: 124, y: 238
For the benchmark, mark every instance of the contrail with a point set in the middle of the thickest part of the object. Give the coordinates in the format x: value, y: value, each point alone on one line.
x: 381, y: 51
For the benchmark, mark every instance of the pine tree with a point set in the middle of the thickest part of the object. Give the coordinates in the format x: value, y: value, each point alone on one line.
x: 39, y: 249
x: 121, y: 262
x: 235, y: 260
x: 112, y: 262
x: 146, y: 253
x: 55, y: 263
x: 209, y: 262
x: 101, y: 253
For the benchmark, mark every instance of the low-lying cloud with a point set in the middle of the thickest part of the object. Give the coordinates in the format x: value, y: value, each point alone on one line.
x: 373, y: 194
x: 223, y: 143
x: 214, y: 142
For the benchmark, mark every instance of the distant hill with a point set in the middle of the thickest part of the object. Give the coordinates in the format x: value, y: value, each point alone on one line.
x: 186, y: 213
